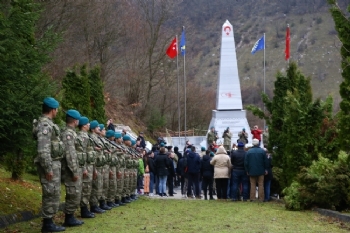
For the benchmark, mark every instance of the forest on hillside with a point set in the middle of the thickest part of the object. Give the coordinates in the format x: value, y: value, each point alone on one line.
x: 128, y: 39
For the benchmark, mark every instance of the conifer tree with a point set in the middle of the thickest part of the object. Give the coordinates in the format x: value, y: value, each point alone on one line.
x: 23, y: 84
x: 97, y: 102
x: 342, y: 25
x: 76, y: 91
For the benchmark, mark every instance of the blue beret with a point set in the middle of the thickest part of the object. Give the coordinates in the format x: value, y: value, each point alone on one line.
x: 126, y: 138
x: 102, y: 126
x: 161, y: 144
x: 110, y: 133
x: 212, y: 127
x: 117, y: 135
x: 51, y: 102
x: 133, y: 142
x: 211, y: 154
x: 73, y: 113
x: 240, y: 144
x: 93, y: 124
x: 243, y: 129
x: 202, y: 148
x: 83, y: 120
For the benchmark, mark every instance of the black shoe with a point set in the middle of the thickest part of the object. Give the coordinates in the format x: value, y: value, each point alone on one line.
x: 164, y: 195
x: 104, y: 206
x: 125, y: 200
x: 97, y: 210
x: 85, y: 213
x: 110, y: 204
x: 49, y: 226
x: 174, y: 193
x: 71, y: 221
x: 119, y: 202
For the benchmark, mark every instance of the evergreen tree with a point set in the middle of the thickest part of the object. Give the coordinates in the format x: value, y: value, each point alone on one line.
x: 23, y: 84
x: 342, y: 25
x: 76, y: 91
x: 97, y: 102
x: 296, y: 133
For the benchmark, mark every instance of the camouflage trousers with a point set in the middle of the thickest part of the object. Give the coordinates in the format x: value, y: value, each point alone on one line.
x: 97, y: 187
x: 51, y: 190
x: 73, y: 191
x: 126, y: 182
x: 112, y: 188
x: 87, y: 186
x: 120, y: 183
x: 105, y: 182
x: 134, y: 181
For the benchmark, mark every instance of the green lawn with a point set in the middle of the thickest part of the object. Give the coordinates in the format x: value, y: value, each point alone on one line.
x: 161, y: 215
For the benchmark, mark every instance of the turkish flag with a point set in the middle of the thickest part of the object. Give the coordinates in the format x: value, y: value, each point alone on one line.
x: 172, y: 50
x: 287, y: 51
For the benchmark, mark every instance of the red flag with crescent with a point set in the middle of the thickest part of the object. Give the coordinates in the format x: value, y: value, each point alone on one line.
x: 172, y: 49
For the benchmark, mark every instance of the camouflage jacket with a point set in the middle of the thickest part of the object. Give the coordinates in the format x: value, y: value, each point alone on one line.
x: 85, y: 148
x: 68, y: 137
x: 100, y: 160
x: 49, y: 145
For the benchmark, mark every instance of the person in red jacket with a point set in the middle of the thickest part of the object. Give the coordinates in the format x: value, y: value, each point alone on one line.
x: 256, y: 132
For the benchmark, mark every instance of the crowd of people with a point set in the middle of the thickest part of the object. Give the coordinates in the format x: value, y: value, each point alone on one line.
x: 103, y: 169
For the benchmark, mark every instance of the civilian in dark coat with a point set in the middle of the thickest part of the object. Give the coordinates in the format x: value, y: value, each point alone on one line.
x: 207, y: 174
x: 193, y: 165
x: 171, y: 175
x: 162, y: 166
x: 143, y: 142
x: 238, y: 175
x: 182, y: 171
x: 179, y: 156
x: 255, y: 164
x: 152, y: 171
x: 268, y: 178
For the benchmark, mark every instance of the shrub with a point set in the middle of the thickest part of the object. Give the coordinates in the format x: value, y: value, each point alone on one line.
x: 324, y: 184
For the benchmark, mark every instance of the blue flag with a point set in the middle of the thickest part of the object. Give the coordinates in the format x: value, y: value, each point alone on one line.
x: 259, y: 45
x: 183, y: 43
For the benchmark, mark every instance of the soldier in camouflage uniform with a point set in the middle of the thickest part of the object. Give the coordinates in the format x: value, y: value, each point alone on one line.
x: 112, y: 188
x: 48, y: 161
x: 135, y: 167
x: 120, y: 169
x: 97, y: 182
x: 106, y: 172
x: 85, y: 149
x: 127, y: 170
x: 73, y: 169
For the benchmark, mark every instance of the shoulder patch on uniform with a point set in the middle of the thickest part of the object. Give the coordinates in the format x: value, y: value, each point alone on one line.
x: 45, y: 131
x: 68, y: 137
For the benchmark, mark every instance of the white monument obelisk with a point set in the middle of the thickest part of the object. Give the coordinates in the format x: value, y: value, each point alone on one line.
x: 229, y: 109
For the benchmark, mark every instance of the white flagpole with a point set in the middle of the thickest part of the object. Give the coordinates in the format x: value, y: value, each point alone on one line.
x: 178, y: 86
x: 183, y: 29
x: 264, y: 79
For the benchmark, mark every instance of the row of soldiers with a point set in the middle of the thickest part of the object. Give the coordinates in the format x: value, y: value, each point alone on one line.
x: 98, y: 168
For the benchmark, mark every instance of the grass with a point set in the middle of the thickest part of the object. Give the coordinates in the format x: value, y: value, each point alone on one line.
x: 159, y: 215
x: 23, y: 195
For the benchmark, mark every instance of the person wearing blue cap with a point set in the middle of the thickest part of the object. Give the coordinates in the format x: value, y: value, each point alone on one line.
x: 243, y: 136
x: 112, y: 187
x: 107, y: 173
x: 97, y: 182
x: 128, y: 170
x: 227, y: 135
x: 73, y: 169
x: 120, y: 196
x: 50, y: 151
x: 85, y: 151
x: 238, y: 175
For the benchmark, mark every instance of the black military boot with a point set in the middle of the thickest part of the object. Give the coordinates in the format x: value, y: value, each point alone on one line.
x: 125, y: 200
x: 110, y: 204
x: 116, y: 203
x: 71, y: 221
x: 49, y: 226
x: 97, y: 210
x: 85, y: 213
x: 134, y: 196
x: 104, y: 206
x: 119, y: 203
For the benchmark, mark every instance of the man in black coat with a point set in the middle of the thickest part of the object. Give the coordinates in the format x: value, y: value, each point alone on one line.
x: 143, y: 142
x: 238, y: 174
x: 207, y: 174
x: 194, y: 166
x: 171, y: 175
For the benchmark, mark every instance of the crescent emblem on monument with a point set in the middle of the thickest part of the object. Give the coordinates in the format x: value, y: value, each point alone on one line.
x: 227, y: 29
x: 227, y: 94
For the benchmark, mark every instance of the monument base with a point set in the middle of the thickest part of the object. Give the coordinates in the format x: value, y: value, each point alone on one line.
x: 236, y: 120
